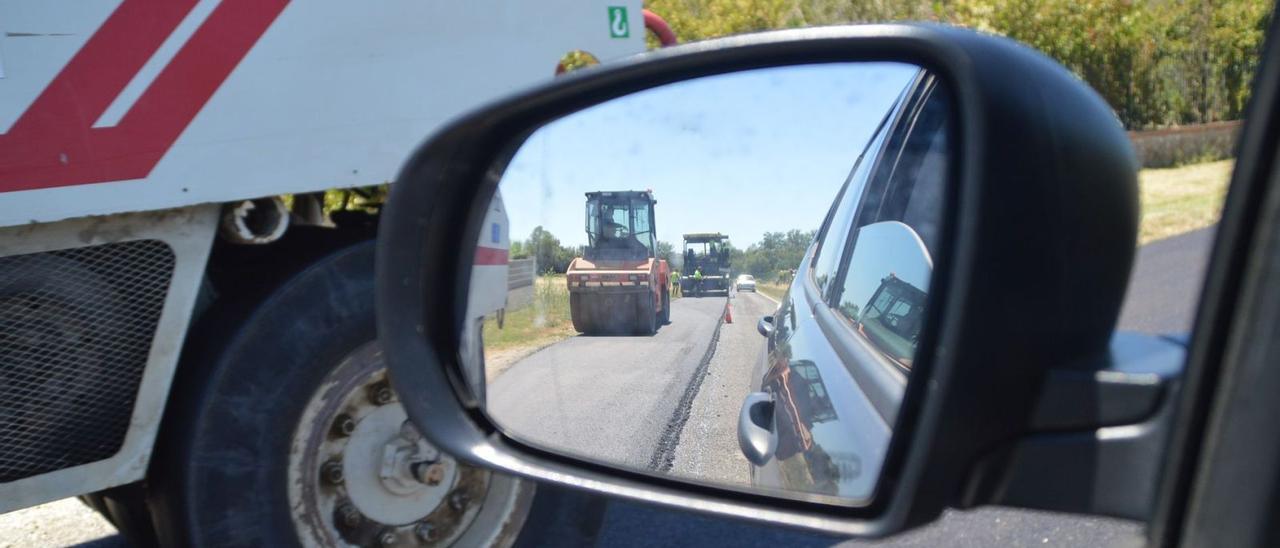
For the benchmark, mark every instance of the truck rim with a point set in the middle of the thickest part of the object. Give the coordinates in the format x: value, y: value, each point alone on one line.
x: 361, y: 475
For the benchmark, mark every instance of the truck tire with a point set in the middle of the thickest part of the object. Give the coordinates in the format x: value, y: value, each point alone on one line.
x: 274, y: 422
x: 581, y: 314
x: 664, y: 317
x: 646, y: 314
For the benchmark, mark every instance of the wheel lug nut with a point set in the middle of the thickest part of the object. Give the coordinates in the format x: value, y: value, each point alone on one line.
x: 349, y: 516
x: 425, y: 532
x: 387, y: 538
x: 458, y: 500
x: 380, y: 393
x: 331, y: 472
x: 430, y: 473
x: 343, y: 425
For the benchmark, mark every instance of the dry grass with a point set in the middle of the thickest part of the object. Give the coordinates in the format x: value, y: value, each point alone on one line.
x: 1181, y: 199
x: 544, y: 321
x: 772, y: 289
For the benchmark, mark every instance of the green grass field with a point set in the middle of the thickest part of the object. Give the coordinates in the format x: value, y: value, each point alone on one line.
x: 1181, y: 199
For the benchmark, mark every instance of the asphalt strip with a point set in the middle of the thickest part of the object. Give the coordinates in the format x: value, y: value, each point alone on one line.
x: 664, y: 455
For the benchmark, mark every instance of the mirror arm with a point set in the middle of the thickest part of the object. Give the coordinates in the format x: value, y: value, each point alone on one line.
x: 1121, y: 387
x: 1097, y: 436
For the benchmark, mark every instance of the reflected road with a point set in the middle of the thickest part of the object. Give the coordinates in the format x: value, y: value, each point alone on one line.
x: 609, y: 398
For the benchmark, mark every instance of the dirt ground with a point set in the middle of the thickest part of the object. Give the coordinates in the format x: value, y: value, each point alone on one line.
x: 66, y: 522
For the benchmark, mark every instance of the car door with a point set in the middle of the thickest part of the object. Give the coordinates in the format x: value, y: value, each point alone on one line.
x: 832, y: 423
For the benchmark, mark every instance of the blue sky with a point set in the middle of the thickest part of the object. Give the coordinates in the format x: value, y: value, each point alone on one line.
x: 882, y: 249
x: 743, y: 153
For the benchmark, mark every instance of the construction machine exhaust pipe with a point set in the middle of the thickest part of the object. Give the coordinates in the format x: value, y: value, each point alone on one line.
x: 254, y: 222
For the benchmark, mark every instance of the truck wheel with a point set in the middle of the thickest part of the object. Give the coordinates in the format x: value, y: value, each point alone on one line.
x: 646, y: 315
x: 284, y: 431
x: 664, y: 317
x: 580, y: 314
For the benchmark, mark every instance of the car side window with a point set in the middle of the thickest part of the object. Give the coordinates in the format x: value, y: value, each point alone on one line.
x: 908, y: 189
x: 831, y: 244
x: 918, y: 180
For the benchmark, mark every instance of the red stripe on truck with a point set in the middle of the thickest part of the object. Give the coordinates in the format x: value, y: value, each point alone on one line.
x: 488, y: 256
x: 54, y: 142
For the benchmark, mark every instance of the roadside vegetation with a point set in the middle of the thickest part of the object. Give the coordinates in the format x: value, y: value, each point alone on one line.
x: 772, y: 289
x: 1181, y: 199
x: 1157, y: 63
x: 544, y: 321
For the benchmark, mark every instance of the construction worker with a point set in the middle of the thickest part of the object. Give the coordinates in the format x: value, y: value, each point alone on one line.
x: 675, y: 288
x: 697, y: 281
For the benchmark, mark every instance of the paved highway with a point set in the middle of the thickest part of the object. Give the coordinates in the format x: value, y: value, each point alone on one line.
x: 708, y: 448
x: 613, y: 398
x: 667, y: 403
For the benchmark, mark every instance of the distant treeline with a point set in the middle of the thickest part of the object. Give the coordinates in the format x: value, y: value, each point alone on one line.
x: 774, y: 254
x: 1157, y: 62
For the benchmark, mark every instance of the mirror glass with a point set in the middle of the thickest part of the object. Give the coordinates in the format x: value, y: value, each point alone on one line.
x: 722, y: 279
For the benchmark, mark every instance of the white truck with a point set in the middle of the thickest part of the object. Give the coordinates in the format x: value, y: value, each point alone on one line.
x: 186, y: 339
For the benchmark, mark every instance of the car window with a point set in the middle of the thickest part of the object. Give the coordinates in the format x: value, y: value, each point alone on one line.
x: 916, y: 184
x: 832, y: 242
x: 907, y: 188
x: 907, y: 184
x: 640, y: 223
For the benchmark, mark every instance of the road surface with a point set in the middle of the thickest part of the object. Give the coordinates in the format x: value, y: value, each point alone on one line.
x: 1161, y: 299
x: 608, y: 398
x: 708, y: 448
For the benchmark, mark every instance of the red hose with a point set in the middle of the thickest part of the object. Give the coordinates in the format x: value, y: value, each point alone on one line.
x: 653, y: 23
x: 659, y: 27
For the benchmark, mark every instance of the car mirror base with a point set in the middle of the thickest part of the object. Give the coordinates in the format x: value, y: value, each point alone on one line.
x: 1100, y: 436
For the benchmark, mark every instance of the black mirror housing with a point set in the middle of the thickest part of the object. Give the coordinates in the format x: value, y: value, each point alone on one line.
x: 1043, y: 227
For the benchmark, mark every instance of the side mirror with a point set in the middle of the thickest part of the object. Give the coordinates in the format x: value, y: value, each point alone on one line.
x: 949, y: 331
x: 765, y: 326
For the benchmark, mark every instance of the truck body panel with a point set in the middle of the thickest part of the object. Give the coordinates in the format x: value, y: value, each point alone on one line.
x: 331, y: 94
x: 134, y: 120
x: 188, y: 233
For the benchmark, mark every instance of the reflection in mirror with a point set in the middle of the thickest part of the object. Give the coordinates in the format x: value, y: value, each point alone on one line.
x: 638, y: 250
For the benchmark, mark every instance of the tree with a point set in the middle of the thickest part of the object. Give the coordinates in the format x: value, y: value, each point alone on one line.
x: 776, y: 251
x: 518, y: 251
x: 668, y: 253
x: 1156, y: 62
x: 546, y: 250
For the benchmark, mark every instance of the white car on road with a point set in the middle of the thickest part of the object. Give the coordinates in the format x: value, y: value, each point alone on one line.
x: 746, y: 282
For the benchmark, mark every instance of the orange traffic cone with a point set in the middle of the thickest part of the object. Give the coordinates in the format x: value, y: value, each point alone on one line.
x: 728, y: 313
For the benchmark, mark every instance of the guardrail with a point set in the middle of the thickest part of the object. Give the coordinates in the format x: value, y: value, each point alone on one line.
x: 521, y: 273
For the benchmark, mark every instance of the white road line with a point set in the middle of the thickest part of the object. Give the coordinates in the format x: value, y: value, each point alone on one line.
x: 775, y: 301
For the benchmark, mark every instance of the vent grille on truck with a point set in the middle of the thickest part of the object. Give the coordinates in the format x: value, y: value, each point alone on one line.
x: 76, y: 328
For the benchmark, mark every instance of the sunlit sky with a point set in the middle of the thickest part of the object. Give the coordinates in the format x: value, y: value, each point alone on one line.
x: 882, y: 249
x: 743, y: 154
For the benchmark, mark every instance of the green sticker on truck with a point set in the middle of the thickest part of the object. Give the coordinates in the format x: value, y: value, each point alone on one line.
x: 618, y: 25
